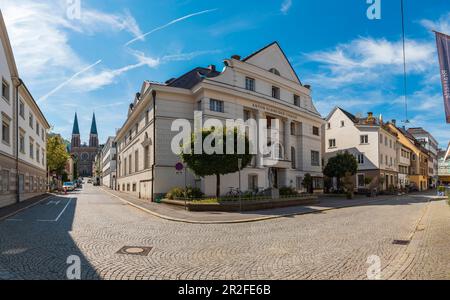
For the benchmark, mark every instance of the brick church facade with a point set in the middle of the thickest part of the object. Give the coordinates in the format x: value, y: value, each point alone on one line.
x: 83, y: 154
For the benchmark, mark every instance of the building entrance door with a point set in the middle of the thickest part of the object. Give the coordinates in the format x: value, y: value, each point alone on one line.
x: 273, y: 178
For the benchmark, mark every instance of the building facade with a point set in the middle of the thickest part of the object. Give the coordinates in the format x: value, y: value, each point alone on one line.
x: 444, y: 166
x: 432, y: 146
x: 418, y: 171
x: 23, y: 160
x: 372, y: 143
x: 109, y: 163
x: 83, y: 154
x: 261, y: 86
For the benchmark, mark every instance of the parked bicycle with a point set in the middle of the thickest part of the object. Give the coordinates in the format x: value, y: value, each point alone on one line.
x: 234, y: 192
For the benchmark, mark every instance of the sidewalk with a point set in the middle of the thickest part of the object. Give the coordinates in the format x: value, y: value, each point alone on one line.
x: 178, y: 214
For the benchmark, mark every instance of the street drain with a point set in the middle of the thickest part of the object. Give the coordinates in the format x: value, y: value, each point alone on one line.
x: 139, y: 251
x: 401, y: 242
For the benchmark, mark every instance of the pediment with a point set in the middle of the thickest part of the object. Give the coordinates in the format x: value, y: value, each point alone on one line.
x: 272, y: 57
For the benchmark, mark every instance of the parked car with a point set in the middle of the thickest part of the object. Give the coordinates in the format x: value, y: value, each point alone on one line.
x: 69, y: 186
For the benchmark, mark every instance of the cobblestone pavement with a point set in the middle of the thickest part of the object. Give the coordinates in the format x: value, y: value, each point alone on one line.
x: 91, y: 224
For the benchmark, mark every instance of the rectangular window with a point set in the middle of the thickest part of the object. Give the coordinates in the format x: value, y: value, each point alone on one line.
x: 5, y: 90
x: 297, y: 100
x: 130, y: 170
x: 134, y: 187
x: 361, y: 159
x: 332, y: 143
x: 216, y: 105
x: 5, y: 181
x: 32, y: 149
x: 5, y: 130
x: 381, y: 139
x: 253, y: 182
x: 275, y: 92
x: 37, y: 128
x: 38, y: 154
x: 315, y: 158
x: 21, y: 183
x: 31, y: 186
x: 342, y: 123
x: 22, y: 143
x: 250, y: 84
x: 43, y: 135
x: 329, y: 125
x: 136, y: 161
x: 364, y: 139
x: 293, y: 128
x: 31, y: 120
x: 22, y: 109
x: 361, y: 180
x: 199, y: 105
x: 316, y: 131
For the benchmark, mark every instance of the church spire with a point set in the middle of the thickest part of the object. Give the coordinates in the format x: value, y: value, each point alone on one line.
x: 76, y: 128
x: 76, y: 140
x: 94, y: 125
x: 93, y: 138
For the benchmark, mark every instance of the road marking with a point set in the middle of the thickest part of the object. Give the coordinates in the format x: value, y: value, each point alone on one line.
x: 60, y: 214
x: 53, y: 202
x: 25, y: 208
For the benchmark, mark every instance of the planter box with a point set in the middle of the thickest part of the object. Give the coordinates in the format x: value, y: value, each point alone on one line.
x: 247, y: 205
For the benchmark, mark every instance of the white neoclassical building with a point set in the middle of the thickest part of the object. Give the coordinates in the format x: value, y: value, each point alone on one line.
x: 109, y: 163
x: 261, y: 86
x: 23, y: 134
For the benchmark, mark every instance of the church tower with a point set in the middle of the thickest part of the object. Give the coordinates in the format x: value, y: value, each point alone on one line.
x: 93, y: 137
x: 76, y: 140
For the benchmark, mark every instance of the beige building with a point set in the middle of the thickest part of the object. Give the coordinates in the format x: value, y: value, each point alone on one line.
x: 261, y: 86
x: 23, y: 135
x: 372, y: 143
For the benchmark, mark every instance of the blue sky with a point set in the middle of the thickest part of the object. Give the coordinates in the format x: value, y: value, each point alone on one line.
x: 98, y: 62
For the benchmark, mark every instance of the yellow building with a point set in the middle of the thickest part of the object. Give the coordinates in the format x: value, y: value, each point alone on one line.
x: 418, y: 174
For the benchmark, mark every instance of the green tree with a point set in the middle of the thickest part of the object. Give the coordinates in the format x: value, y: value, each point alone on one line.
x: 340, y: 165
x: 217, y: 164
x: 57, y: 155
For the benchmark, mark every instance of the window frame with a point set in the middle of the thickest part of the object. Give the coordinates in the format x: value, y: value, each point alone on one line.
x: 250, y: 84
x: 217, y: 106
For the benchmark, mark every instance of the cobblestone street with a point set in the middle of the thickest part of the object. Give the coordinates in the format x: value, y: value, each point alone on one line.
x: 336, y: 244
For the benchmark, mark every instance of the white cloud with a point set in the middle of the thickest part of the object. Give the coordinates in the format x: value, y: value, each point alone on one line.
x: 441, y: 25
x: 286, y: 6
x: 367, y: 59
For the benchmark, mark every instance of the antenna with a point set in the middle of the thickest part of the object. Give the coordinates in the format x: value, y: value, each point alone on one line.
x: 405, y: 78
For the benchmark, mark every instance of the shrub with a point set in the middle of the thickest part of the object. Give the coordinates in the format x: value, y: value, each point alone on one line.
x: 189, y: 192
x: 288, y: 191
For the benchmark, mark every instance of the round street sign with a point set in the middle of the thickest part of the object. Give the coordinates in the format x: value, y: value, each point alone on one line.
x: 179, y: 167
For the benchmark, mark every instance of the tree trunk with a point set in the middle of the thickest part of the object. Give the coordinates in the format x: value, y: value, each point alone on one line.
x: 218, y: 186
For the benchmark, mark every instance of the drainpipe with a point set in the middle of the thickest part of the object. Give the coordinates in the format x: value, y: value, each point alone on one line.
x: 17, y: 142
x: 154, y: 145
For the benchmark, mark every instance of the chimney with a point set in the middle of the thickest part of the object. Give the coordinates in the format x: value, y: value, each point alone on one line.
x: 394, y: 122
x: 236, y: 57
x: 212, y: 68
x: 307, y: 86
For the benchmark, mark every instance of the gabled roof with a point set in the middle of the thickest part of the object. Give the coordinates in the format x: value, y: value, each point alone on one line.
x: 192, y: 78
x: 246, y: 59
x: 353, y: 118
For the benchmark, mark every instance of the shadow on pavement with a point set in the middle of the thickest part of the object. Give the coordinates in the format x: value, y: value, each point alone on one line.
x: 33, y: 245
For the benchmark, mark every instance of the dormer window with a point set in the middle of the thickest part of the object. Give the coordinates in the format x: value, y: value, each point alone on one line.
x: 275, y: 71
x: 275, y: 92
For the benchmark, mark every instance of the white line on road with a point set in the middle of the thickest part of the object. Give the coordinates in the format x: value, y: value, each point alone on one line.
x: 59, y: 216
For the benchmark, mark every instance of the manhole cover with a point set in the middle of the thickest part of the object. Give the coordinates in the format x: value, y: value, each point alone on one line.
x: 401, y: 242
x: 131, y: 250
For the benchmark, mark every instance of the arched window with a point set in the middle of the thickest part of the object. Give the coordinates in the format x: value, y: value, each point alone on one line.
x: 293, y: 158
x: 274, y: 71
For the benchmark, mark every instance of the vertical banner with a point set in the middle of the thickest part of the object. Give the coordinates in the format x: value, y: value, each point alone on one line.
x: 443, y: 46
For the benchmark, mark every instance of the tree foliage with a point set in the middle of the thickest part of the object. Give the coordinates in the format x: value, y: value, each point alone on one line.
x: 340, y: 165
x: 57, y: 155
x: 217, y: 164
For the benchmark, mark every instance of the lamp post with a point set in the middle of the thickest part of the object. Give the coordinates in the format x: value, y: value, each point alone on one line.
x: 240, y: 194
